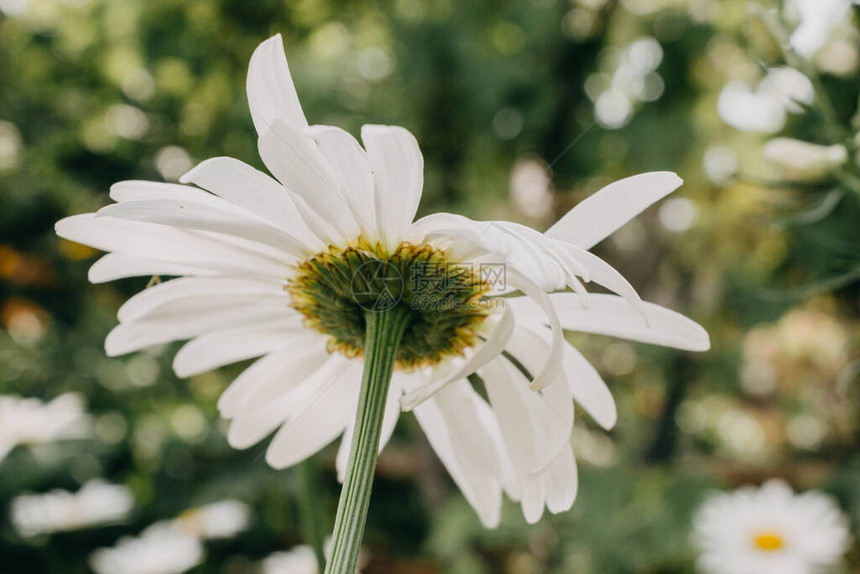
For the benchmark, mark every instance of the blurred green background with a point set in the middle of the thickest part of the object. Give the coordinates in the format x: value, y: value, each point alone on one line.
x: 505, y: 99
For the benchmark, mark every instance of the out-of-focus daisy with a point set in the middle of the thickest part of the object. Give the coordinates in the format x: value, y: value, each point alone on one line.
x: 297, y: 560
x: 29, y: 421
x: 770, y: 530
x: 96, y: 503
x: 221, y: 519
x: 817, y: 20
x: 294, y: 269
x: 763, y: 109
x: 160, y: 549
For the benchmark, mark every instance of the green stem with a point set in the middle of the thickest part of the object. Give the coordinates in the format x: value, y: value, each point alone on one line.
x: 384, y: 330
x: 312, y: 526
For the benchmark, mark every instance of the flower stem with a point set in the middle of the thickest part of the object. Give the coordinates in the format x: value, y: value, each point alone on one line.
x: 309, y: 509
x: 384, y: 330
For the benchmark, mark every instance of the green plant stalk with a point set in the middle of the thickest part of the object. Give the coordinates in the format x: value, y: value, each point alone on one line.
x: 384, y: 330
x: 309, y: 509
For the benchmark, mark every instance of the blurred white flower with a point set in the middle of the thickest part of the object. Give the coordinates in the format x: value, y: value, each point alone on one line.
x: 770, y: 530
x: 300, y: 560
x: 678, y: 214
x: 30, y: 421
x: 763, y: 108
x: 634, y: 79
x: 94, y: 504
x: 720, y: 163
x: 799, y: 160
x: 531, y: 188
x: 160, y: 549
x: 817, y: 19
x: 221, y: 519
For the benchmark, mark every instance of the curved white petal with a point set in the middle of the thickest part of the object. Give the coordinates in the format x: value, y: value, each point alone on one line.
x: 562, y: 482
x: 161, y: 242
x: 604, y: 274
x: 272, y: 376
x: 206, y: 216
x: 599, y: 215
x: 321, y: 420
x: 133, y: 190
x: 614, y: 316
x: 586, y: 385
x: 253, y: 190
x: 114, y: 266
x: 453, y: 424
x: 135, y: 335
x: 398, y: 171
x: 197, y: 291
x: 296, y: 161
x: 352, y: 169
x: 271, y: 93
x: 552, y: 366
x: 292, y: 395
x: 487, y: 351
x: 515, y: 408
x: 216, y: 349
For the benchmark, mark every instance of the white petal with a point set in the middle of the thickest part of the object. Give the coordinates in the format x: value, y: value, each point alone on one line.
x: 132, y: 190
x: 614, y: 316
x: 455, y: 429
x: 273, y: 375
x: 322, y: 419
x: 553, y: 364
x: 119, y: 266
x: 515, y: 410
x: 253, y: 190
x: 128, y: 337
x: 562, y: 482
x: 290, y: 396
x: 604, y: 274
x: 352, y: 169
x: 295, y: 160
x: 212, y: 215
x: 484, y: 353
x: 216, y: 349
x: 196, y: 290
x: 271, y: 93
x: 599, y: 215
x: 398, y: 169
x: 160, y: 242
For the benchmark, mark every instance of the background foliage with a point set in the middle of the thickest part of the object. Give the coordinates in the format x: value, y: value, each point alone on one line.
x: 96, y: 92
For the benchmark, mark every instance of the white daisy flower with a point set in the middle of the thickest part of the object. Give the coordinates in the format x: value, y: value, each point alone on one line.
x: 770, y: 530
x: 96, y: 503
x: 160, y: 549
x: 29, y: 421
x: 221, y: 519
x: 287, y: 269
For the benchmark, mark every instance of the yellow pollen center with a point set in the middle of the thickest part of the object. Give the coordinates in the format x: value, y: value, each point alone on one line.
x: 768, y: 541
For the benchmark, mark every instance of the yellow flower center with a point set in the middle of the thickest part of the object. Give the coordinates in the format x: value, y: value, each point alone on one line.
x: 446, y: 301
x: 768, y: 541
